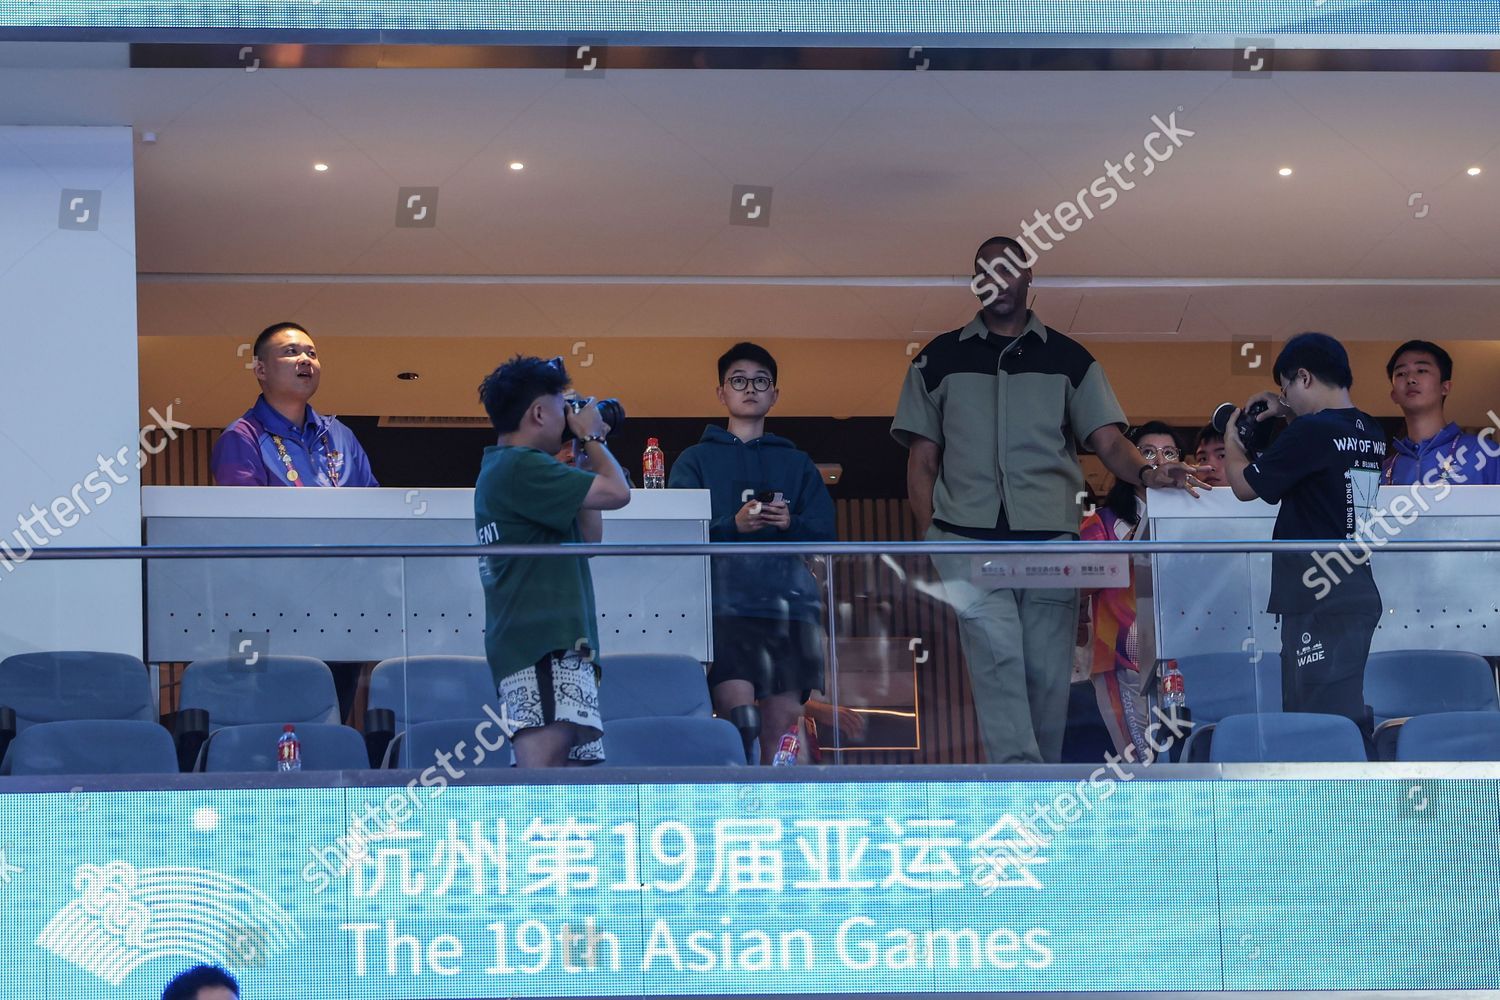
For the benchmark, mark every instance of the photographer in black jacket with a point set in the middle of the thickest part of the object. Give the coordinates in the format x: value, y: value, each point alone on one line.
x: 1324, y: 470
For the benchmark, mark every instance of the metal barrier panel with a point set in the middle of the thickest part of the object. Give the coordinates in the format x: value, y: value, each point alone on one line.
x: 373, y: 608
x: 1433, y: 600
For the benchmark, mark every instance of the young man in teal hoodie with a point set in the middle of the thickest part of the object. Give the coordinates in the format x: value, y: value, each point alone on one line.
x: 768, y: 633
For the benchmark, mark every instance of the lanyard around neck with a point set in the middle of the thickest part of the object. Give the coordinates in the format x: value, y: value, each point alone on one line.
x: 292, y: 475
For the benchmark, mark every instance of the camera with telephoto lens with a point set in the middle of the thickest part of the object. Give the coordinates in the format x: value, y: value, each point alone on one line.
x: 610, y: 409
x: 1254, y: 433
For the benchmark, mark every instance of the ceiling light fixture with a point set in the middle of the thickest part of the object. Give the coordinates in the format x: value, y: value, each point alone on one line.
x: 1475, y: 171
x: 320, y: 167
x: 1285, y: 171
x: 517, y: 165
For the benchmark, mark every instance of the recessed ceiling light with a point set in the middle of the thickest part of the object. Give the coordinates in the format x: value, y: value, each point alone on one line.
x: 408, y: 376
x: 517, y: 165
x: 320, y: 167
x: 1475, y: 171
x: 1285, y: 171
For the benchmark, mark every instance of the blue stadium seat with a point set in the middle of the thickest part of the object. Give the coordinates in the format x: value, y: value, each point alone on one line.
x: 92, y: 746
x: 253, y: 748
x: 1219, y: 685
x: 53, y: 687
x: 672, y: 742
x: 279, y: 689
x: 419, y: 745
x: 1450, y: 736
x: 1402, y: 682
x: 431, y: 688
x: 1286, y: 737
x: 646, y: 685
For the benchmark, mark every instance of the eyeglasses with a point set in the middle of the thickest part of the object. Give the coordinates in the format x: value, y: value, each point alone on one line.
x: 1168, y: 454
x: 740, y: 383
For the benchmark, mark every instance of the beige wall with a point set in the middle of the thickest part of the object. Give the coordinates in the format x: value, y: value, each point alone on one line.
x: 1178, y: 382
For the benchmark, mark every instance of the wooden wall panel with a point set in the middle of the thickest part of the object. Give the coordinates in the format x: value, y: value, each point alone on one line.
x: 184, y: 462
x: 871, y: 599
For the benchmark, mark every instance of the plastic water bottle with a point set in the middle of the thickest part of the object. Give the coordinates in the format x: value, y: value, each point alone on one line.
x: 654, y: 466
x: 1173, y: 697
x: 288, y: 750
x: 786, y: 753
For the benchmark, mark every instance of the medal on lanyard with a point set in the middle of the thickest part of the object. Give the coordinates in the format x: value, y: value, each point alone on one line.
x: 291, y: 473
x: 333, y: 463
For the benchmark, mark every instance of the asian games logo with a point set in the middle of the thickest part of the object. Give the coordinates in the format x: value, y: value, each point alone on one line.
x: 125, y: 917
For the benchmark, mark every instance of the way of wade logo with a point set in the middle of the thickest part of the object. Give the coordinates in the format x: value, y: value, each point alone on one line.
x: 125, y: 917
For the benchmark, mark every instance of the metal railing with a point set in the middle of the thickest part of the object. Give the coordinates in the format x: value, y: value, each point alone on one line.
x: 1069, y: 548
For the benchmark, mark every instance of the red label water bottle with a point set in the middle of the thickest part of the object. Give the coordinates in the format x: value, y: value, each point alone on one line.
x: 786, y: 753
x: 288, y: 750
x: 654, y: 466
x: 1173, y: 695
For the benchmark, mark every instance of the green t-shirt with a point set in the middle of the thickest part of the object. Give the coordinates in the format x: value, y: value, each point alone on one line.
x: 532, y: 606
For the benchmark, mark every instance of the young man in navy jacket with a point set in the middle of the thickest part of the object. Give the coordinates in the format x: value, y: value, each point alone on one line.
x: 768, y: 613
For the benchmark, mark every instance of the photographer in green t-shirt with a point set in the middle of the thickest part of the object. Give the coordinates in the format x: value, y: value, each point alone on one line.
x: 540, y: 636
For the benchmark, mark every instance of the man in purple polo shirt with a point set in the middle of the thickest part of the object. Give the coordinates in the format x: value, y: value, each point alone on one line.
x: 282, y: 440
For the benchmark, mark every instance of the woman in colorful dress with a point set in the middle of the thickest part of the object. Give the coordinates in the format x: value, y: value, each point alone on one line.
x: 1114, y: 666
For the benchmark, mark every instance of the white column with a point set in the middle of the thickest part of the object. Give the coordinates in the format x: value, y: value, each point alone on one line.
x: 68, y: 399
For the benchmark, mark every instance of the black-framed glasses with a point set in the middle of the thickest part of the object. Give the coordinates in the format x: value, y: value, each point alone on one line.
x: 1166, y: 454
x: 739, y: 383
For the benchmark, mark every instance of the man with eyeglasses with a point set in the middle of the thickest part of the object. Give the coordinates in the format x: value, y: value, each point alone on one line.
x: 768, y: 611
x: 990, y: 415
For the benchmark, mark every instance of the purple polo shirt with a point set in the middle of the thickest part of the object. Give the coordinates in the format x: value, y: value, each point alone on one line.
x: 323, y: 451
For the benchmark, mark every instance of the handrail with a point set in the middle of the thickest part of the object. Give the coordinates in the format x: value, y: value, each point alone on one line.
x: 722, y: 549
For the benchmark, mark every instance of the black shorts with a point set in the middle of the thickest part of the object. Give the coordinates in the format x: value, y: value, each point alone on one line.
x: 776, y: 656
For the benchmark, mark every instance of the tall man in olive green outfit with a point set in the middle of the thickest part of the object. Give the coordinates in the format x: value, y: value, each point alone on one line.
x: 990, y: 414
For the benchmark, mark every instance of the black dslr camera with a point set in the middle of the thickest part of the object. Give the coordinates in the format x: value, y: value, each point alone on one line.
x: 1254, y: 433
x: 610, y: 409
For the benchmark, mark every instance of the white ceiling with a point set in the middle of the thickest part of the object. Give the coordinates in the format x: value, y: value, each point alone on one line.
x: 875, y: 174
